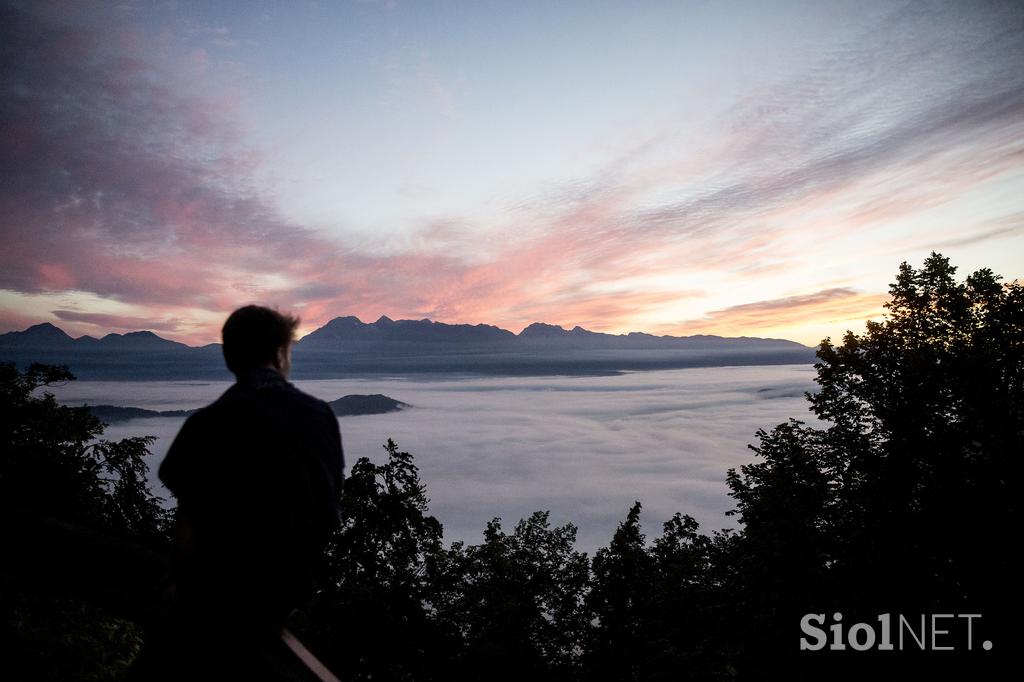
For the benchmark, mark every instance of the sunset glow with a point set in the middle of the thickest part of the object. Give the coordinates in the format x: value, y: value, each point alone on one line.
x: 676, y: 168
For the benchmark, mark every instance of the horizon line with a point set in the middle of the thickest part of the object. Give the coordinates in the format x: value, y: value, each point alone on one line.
x: 386, y: 317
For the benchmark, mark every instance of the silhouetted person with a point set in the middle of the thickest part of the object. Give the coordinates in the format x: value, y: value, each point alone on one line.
x: 257, y: 476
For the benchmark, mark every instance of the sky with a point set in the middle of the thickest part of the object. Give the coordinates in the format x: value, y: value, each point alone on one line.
x: 742, y: 168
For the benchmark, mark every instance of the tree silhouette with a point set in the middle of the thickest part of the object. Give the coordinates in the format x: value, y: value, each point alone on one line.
x: 621, y: 600
x: 73, y: 507
x: 52, y: 460
x: 905, y: 501
x: 516, y: 601
x: 370, y: 620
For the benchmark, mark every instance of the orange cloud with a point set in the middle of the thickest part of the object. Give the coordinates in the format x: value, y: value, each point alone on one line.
x: 829, y: 306
x: 142, y: 195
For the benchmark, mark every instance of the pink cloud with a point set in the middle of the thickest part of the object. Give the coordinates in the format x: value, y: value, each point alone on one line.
x: 12, y: 320
x: 126, y: 322
x: 116, y: 181
x: 55, y: 277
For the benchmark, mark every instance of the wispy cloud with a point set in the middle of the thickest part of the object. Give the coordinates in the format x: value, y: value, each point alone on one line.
x: 115, y: 183
x: 120, y: 181
x: 994, y: 229
x: 833, y: 305
x: 123, y: 322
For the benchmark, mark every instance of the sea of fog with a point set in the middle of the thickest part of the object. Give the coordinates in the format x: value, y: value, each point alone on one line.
x: 583, y: 448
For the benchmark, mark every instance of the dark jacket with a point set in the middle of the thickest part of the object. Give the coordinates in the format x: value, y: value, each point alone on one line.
x: 258, y: 475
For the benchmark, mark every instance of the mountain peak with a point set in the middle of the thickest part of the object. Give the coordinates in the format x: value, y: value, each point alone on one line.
x: 542, y: 329
x: 384, y: 319
x: 38, y: 335
x: 46, y: 330
x: 344, y: 322
x: 138, y: 340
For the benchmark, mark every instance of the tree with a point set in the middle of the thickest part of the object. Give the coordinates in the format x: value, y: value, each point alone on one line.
x: 906, y: 500
x: 621, y: 599
x: 932, y: 401
x: 516, y: 601
x: 76, y: 509
x: 693, y: 607
x: 370, y: 620
x: 657, y: 609
x: 52, y: 460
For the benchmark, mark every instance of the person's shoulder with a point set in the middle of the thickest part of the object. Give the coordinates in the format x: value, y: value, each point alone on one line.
x: 308, y: 401
x: 177, y: 465
x: 197, y: 422
x: 204, y: 414
x: 229, y: 395
x: 212, y: 413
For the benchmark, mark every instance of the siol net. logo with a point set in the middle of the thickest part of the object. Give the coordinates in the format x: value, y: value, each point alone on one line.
x: 924, y: 632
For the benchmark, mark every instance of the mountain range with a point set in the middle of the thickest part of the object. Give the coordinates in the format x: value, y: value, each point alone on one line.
x: 347, y: 346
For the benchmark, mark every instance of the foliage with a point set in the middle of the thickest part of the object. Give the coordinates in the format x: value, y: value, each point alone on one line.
x: 56, y: 635
x: 928, y: 411
x: 904, y: 501
x: 516, y: 601
x: 655, y: 607
x: 52, y: 462
x: 54, y: 466
x: 373, y: 599
x: 408, y: 609
x: 621, y: 599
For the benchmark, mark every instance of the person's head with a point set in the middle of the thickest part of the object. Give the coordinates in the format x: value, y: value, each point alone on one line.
x: 255, y: 336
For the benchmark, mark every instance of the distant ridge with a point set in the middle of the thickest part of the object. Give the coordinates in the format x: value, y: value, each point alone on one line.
x: 385, y: 330
x: 353, y: 331
x: 46, y: 335
x: 347, y: 346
